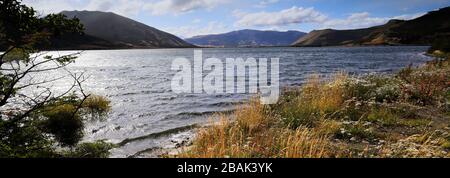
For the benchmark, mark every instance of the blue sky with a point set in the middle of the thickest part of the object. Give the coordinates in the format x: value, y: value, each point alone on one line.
x: 186, y: 18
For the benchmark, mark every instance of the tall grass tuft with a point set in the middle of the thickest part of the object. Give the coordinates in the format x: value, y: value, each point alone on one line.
x: 254, y: 135
x: 313, y: 101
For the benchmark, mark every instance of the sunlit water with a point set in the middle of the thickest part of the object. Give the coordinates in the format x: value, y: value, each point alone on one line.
x: 138, y: 82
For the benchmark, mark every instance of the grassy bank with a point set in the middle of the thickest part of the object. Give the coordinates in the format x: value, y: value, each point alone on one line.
x: 401, y: 115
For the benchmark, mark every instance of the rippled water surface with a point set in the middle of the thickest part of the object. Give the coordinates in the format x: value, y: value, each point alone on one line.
x: 149, y: 115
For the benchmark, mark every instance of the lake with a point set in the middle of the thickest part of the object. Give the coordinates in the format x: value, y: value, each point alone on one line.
x: 149, y: 115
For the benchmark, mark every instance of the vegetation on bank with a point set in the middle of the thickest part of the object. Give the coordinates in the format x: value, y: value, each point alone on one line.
x: 44, y: 122
x: 401, y: 115
x: 405, y: 115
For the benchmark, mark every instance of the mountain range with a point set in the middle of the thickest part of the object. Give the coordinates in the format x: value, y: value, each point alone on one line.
x: 420, y: 31
x: 104, y: 30
x: 247, y: 38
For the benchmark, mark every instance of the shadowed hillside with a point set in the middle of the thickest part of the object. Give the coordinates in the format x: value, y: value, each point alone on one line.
x: 124, y: 31
x: 420, y: 31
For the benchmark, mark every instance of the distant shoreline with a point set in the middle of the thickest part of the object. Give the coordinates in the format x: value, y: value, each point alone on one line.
x: 116, y: 49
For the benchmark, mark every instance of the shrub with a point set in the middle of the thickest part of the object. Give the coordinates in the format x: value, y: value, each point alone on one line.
x: 352, y: 110
x: 64, y: 123
x: 358, y: 131
x: 98, y: 149
x: 378, y: 88
x: 359, y: 89
x: 446, y: 145
x: 97, y: 106
x: 327, y: 127
x: 441, y: 43
x: 387, y: 89
x: 299, y: 114
x: 425, y: 88
x: 405, y: 73
x: 313, y: 101
x: 383, y: 116
x: 252, y: 116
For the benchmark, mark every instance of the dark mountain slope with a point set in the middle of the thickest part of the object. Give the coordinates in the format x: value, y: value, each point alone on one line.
x: 420, y: 31
x: 124, y: 31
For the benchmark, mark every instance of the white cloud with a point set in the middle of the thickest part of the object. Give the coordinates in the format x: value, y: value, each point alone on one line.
x: 196, y: 20
x: 125, y: 7
x: 265, y: 3
x: 363, y: 20
x: 290, y: 17
x: 355, y: 20
x: 300, y: 15
x: 294, y: 15
x: 122, y: 7
x: 162, y: 7
x: 49, y: 6
x: 409, y: 16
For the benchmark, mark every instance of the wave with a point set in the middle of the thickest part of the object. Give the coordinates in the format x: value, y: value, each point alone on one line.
x: 159, y: 134
x: 152, y: 149
x: 221, y: 104
x: 184, y: 115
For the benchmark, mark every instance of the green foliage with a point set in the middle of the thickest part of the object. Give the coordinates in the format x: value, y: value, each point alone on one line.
x: 358, y: 131
x: 22, y: 28
x: 376, y: 88
x: 353, y: 111
x: 446, y: 143
x: 24, y: 140
x: 64, y: 123
x: 97, y: 106
x: 441, y: 43
x: 64, y: 117
x: 18, y: 55
x: 358, y: 88
x: 387, y: 88
x: 295, y: 116
x: 383, y: 116
x: 427, y: 86
x: 405, y: 73
x: 98, y: 149
x: 414, y: 123
x: 46, y: 121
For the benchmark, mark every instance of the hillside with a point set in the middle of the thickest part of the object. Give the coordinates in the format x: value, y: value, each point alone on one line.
x: 123, y: 31
x: 247, y: 38
x: 82, y: 42
x: 420, y: 31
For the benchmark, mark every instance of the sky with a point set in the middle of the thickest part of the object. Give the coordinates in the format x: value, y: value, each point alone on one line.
x: 187, y: 18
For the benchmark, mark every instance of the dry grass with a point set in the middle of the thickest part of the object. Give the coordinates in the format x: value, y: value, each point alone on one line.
x: 341, y: 117
x: 324, y: 96
x: 308, y: 105
x: 98, y: 106
x: 254, y: 134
